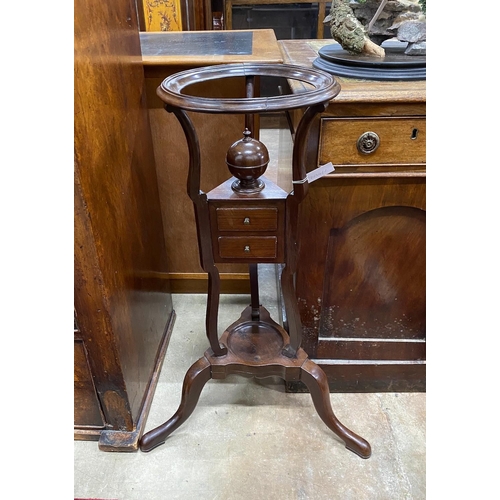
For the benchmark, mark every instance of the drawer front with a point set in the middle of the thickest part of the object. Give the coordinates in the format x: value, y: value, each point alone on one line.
x: 248, y: 247
x: 361, y: 141
x: 247, y: 219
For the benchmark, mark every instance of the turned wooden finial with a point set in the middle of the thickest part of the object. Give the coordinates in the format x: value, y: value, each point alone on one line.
x: 247, y: 160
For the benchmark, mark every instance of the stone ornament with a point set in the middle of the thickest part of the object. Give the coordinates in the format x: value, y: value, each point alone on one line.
x: 361, y: 26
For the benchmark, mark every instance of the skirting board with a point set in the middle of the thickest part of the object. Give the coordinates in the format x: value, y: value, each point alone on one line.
x: 233, y: 283
x: 372, y: 376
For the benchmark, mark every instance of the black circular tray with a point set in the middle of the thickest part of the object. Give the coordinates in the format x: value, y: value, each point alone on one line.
x: 395, y: 66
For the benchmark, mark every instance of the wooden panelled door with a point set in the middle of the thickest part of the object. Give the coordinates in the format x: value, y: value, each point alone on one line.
x: 361, y: 285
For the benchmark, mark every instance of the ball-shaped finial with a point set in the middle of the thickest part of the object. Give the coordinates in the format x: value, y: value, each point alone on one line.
x: 247, y: 160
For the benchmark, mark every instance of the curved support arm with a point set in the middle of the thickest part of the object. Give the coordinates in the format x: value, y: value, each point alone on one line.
x: 300, y: 184
x: 300, y: 188
x: 200, y: 203
x: 194, y: 173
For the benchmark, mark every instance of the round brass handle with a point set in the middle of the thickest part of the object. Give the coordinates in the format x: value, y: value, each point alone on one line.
x: 368, y: 143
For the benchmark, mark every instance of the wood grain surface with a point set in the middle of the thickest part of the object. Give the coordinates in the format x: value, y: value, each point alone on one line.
x: 122, y: 307
x: 362, y: 241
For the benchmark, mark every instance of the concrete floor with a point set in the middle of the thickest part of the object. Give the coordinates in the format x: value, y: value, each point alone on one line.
x: 248, y: 439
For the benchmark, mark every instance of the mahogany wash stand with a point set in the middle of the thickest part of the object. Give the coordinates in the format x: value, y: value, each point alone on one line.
x: 251, y: 220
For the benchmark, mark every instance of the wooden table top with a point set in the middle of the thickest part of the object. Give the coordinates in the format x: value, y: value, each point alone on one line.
x: 303, y: 53
x: 204, y: 48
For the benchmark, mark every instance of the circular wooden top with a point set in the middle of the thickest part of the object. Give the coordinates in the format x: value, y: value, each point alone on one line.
x: 324, y: 88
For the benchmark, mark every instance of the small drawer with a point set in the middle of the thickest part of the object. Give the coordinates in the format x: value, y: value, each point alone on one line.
x: 362, y: 141
x: 247, y: 219
x: 250, y: 247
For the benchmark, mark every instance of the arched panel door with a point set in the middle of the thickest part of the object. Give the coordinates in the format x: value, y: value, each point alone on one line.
x: 361, y: 282
x: 375, y: 277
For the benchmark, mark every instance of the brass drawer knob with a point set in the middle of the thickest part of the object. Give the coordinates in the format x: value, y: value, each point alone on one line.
x: 247, y: 248
x: 368, y: 143
x: 246, y: 220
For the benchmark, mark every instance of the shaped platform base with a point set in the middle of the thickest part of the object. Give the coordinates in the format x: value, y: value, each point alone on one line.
x: 255, y: 349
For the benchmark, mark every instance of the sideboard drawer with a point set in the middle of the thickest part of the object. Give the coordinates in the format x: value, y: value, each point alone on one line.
x: 360, y: 141
x: 247, y: 219
x: 248, y: 247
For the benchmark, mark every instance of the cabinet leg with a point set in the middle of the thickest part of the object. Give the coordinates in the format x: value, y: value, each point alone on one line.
x: 194, y: 381
x: 315, y: 379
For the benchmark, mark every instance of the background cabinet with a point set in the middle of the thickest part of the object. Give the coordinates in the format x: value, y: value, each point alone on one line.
x: 123, y: 307
x: 290, y: 19
x: 163, y: 55
x: 361, y: 279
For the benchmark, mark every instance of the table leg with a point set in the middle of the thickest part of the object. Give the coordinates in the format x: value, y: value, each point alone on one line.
x: 317, y: 383
x: 194, y: 381
x: 254, y: 291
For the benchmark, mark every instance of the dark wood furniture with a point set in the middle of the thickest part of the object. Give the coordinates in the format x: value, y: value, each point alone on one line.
x: 123, y: 308
x: 241, y: 223
x: 164, y: 54
x: 361, y: 282
x: 322, y: 8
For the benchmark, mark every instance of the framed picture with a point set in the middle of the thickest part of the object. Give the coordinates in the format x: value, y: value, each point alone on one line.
x: 177, y: 15
x: 160, y: 15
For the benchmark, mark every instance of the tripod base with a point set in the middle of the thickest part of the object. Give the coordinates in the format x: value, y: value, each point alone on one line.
x: 255, y: 348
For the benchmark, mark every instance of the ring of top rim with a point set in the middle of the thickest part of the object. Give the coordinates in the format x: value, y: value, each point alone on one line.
x: 325, y: 88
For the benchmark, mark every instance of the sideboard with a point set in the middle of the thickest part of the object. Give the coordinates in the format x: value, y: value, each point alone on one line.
x: 361, y: 279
